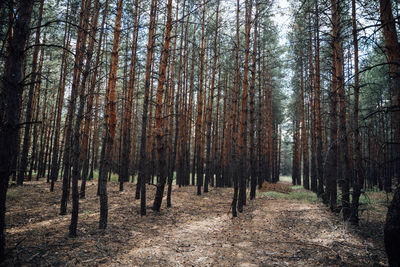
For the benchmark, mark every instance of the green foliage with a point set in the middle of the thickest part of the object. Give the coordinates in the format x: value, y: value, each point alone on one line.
x: 298, y: 194
x: 114, y: 176
x: 284, y: 178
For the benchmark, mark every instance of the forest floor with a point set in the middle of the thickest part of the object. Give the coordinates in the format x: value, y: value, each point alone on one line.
x: 275, y: 229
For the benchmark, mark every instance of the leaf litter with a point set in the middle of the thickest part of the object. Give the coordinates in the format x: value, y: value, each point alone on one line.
x: 195, y: 231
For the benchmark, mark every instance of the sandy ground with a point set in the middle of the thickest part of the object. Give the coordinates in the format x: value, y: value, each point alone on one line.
x: 195, y: 231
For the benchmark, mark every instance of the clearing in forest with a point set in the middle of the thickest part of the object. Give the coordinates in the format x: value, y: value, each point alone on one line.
x: 276, y: 229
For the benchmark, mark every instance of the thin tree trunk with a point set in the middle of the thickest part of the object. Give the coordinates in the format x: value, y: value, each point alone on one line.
x: 127, y: 119
x: 29, y: 109
x: 253, y: 163
x: 198, y: 129
x: 234, y: 162
x: 359, y: 175
x: 304, y: 137
x: 80, y: 49
x: 242, y: 144
x: 317, y: 99
x: 110, y: 121
x: 209, y: 171
x: 159, y: 127
x: 76, y: 156
x: 143, y: 161
x: 60, y: 100
x: 36, y: 98
x: 173, y: 146
x: 88, y: 114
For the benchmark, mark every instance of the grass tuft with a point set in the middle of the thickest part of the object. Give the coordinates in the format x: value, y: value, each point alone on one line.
x: 298, y: 194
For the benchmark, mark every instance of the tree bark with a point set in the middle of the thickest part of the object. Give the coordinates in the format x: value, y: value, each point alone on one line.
x: 242, y: 144
x: 337, y: 83
x: 159, y: 127
x: 55, y: 166
x: 143, y: 161
x: 79, y: 56
x: 233, y: 166
x: 127, y: 119
x: 253, y: 164
x: 198, y: 128
x: 30, y: 107
x: 209, y: 164
x: 110, y: 120
x: 10, y: 99
x: 89, y: 105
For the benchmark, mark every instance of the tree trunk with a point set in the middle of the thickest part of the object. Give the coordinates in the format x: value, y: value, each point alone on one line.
x: 392, y: 46
x: 10, y: 98
x: 198, y: 128
x: 127, y: 119
x: 143, y: 161
x: 242, y: 144
x: 159, y: 127
x: 76, y: 155
x: 89, y: 106
x: 304, y: 137
x: 29, y: 108
x: 392, y: 230
x: 209, y: 164
x: 233, y: 165
x: 318, y: 120
x: 253, y: 163
x: 359, y: 175
x: 110, y: 121
x: 55, y: 166
x: 337, y: 83
x: 36, y: 101
x: 80, y: 49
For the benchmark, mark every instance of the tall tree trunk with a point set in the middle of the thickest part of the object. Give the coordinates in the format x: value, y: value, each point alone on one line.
x: 76, y: 155
x: 296, y: 163
x: 304, y: 137
x: 159, y: 127
x: 242, y: 144
x: 173, y: 146
x: 317, y: 99
x: 79, y: 56
x: 359, y: 175
x: 110, y: 121
x: 89, y: 106
x: 209, y: 164
x: 55, y: 166
x: 233, y: 166
x: 312, y: 113
x: 29, y: 108
x: 198, y: 129
x: 127, y: 119
x: 10, y: 98
x: 337, y: 83
x: 36, y: 102
x: 253, y: 163
x: 143, y: 161
x: 392, y: 46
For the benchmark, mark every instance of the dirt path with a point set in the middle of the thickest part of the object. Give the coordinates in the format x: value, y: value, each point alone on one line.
x: 196, y: 231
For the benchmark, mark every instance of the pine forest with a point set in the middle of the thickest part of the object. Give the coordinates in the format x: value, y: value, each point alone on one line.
x: 199, y: 133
